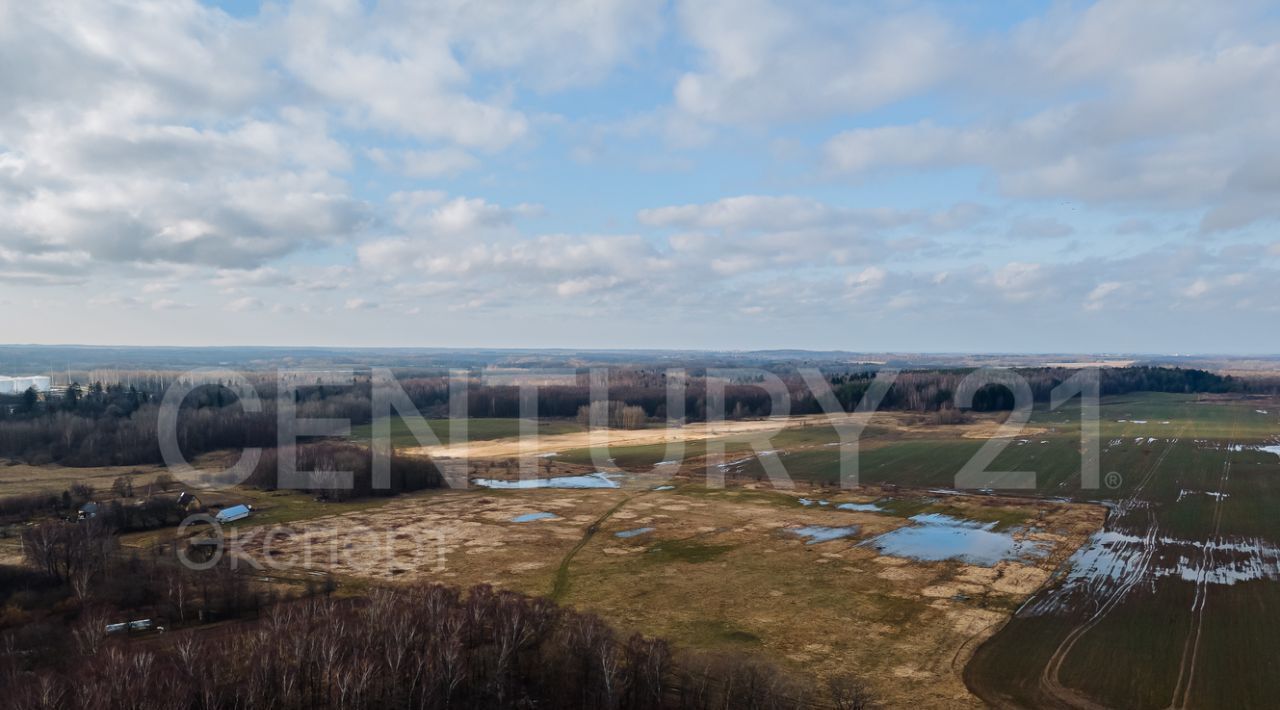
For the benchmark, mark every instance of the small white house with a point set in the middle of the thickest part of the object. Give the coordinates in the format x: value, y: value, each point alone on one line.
x: 235, y: 512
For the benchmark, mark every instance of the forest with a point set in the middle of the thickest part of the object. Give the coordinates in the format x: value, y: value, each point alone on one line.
x: 116, y: 425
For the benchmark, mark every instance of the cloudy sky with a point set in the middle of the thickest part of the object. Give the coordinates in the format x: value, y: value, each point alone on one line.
x: 744, y: 174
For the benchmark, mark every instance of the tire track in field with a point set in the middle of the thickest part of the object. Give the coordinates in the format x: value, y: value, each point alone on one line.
x: 1050, y: 682
x: 1191, y: 647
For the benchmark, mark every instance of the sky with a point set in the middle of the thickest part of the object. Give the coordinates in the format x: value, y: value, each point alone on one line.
x: 880, y: 176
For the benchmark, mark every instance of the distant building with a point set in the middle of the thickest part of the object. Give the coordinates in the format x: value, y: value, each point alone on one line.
x: 88, y: 510
x: 18, y: 385
x: 235, y: 512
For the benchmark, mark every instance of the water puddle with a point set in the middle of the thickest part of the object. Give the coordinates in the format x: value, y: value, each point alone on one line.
x: 530, y: 517
x: 818, y: 533
x: 934, y: 537
x: 665, y: 488
x: 592, y: 480
x: 633, y: 533
x: 861, y: 507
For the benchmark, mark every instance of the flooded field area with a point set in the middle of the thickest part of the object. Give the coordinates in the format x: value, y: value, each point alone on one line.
x: 774, y: 573
x: 933, y: 537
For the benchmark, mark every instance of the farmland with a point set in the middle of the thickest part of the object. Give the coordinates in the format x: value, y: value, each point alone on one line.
x: 1188, y: 556
x: 1170, y: 562
x: 1188, y: 552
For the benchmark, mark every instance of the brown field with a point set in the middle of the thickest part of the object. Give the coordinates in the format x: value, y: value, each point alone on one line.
x: 719, y: 570
x: 982, y: 426
x: 21, y: 478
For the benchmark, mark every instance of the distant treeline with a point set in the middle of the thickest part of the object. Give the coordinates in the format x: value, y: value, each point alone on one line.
x: 927, y: 391
x: 913, y: 390
x: 116, y: 425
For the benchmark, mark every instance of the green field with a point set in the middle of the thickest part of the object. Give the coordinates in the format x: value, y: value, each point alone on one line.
x: 477, y: 430
x: 1168, y: 630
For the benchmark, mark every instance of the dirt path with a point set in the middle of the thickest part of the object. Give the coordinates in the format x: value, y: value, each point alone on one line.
x: 560, y: 584
x: 533, y: 446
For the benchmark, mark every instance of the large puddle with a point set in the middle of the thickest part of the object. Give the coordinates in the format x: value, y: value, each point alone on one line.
x: 633, y: 532
x: 857, y: 507
x: 818, y: 533
x: 933, y: 537
x: 530, y: 517
x: 861, y: 507
x: 592, y: 480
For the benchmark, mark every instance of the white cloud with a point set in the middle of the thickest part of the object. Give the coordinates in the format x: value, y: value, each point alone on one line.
x: 235, y: 279
x: 394, y: 71
x: 248, y: 303
x: 436, y: 163
x: 1171, y: 113
x: 1198, y: 288
x: 1096, y: 300
x: 430, y: 214
x: 767, y: 61
x: 1018, y: 281
x: 359, y: 304
x: 866, y: 282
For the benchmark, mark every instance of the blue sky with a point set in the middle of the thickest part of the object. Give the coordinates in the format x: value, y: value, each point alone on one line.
x: 1079, y: 177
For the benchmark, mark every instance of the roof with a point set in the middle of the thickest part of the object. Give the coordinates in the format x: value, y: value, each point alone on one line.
x: 235, y: 512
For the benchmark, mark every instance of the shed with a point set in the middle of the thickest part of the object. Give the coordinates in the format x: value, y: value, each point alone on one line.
x: 88, y: 510
x: 187, y: 501
x: 235, y: 512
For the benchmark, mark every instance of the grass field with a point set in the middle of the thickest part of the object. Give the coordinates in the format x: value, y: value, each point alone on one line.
x: 1182, y: 620
x: 714, y: 569
x: 19, y: 478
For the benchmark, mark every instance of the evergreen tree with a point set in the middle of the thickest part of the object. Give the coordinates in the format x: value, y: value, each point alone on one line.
x: 29, y: 400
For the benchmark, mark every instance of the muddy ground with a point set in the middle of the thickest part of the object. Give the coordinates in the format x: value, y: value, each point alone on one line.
x: 721, y: 569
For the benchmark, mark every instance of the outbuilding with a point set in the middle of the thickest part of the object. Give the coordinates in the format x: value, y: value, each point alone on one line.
x: 235, y: 512
x: 88, y: 510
